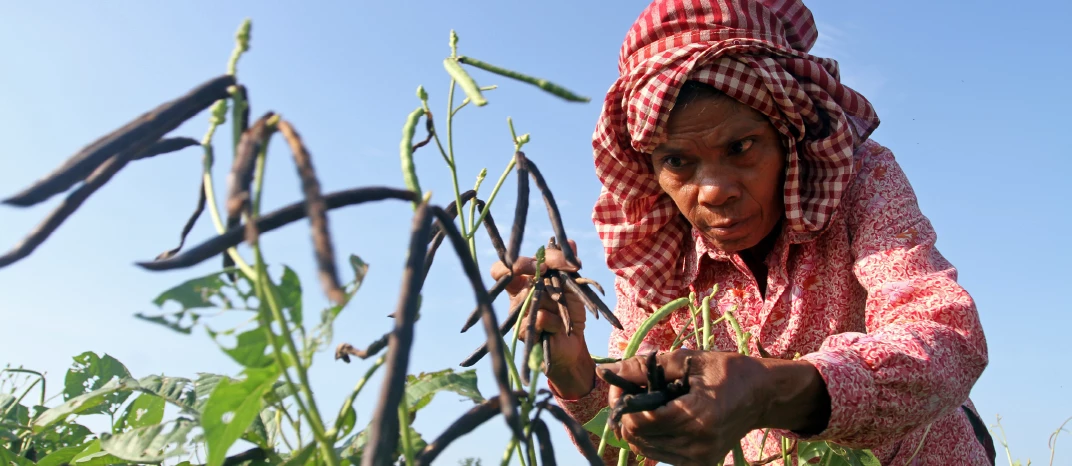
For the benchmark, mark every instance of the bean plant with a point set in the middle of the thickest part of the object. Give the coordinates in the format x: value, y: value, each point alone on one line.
x: 270, y: 406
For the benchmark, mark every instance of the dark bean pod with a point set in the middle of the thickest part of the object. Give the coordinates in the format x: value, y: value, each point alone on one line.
x: 383, y: 431
x: 591, y: 300
x: 491, y: 327
x: 317, y: 212
x: 504, y: 328
x: 531, y: 336
x: 131, y: 139
x: 552, y: 208
x: 240, y: 179
x: 345, y: 350
x: 577, y: 431
x: 614, y: 379
x: 496, y: 289
x: 274, y: 220
x: 547, y: 450
x: 465, y: 424
x: 521, y: 209
x: 635, y: 403
x: 74, y: 200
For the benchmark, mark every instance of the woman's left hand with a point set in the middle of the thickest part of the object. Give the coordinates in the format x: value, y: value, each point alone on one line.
x: 702, y: 426
x: 730, y: 395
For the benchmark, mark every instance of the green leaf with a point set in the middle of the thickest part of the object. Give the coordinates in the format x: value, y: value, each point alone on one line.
x: 250, y: 348
x: 198, y: 293
x: 175, y: 390
x: 263, y: 430
x: 92, y: 455
x: 150, y: 443
x: 61, y: 436
x: 348, y: 421
x: 7, y: 458
x: 13, y: 412
x: 231, y: 408
x: 147, y: 409
x: 91, y: 372
x: 85, y: 404
x: 61, y: 456
x: 302, y: 456
x: 204, y: 386
x: 195, y: 293
x: 291, y: 293
x: 422, y: 388
x: 323, y: 333
x: 597, y: 424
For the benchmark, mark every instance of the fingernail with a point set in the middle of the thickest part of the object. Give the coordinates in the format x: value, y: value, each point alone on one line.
x: 611, y: 366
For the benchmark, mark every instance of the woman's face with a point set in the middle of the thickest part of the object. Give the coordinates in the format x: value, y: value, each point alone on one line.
x: 723, y: 164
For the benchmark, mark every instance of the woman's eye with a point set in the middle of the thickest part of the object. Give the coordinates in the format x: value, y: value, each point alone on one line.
x: 673, y: 161
x: 740, y: 146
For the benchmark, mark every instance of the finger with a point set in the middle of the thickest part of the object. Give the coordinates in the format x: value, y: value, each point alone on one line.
x: 632, y: 369
x: 673, y: 363
x: 555, y: 259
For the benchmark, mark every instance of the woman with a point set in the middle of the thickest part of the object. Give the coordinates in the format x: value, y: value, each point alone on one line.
x: 729, y: 156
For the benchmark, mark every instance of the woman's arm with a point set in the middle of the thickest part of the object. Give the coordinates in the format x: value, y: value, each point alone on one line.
x: 925, y: 346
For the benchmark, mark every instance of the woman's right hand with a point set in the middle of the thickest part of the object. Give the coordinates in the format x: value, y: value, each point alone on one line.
x: 572, y: 372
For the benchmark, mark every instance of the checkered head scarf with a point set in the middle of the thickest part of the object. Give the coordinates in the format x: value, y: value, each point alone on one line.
x: 755, y: 51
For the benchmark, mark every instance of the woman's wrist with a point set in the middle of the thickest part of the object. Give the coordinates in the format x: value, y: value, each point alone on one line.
x: 795, y: 397
x: 573, y: 381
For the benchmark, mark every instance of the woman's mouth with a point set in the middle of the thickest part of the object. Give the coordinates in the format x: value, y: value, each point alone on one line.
x: 728, y: 229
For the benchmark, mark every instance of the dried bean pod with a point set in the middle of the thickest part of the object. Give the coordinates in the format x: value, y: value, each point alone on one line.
x: 496, y: 289
x: 637, y: 403
x: 521, y: 210
x: 577, y: 430
x: 653, y: 373
x: 131, y: 139
x: 71, y: 203
x: 272, y: 221
x: 465, y: 424
x: 614, y: 379
x: 345, y: 350
x: 316, y: 211
x: 241, y: 177
x: 383, y: 431
x: 547, y: 450
x: 552, y: 208
x: 531, y: 337
x: 505, y: 327
x: 590, y: 299
x: 439, y: 235
x: 491, y: 327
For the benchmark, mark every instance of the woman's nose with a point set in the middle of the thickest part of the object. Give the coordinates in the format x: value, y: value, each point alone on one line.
x: 717, y: 189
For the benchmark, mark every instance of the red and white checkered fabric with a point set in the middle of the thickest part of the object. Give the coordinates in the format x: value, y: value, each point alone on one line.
x: 755, y: 51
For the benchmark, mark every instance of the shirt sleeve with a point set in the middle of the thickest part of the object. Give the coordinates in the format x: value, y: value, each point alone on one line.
x: 585, y: 408
x: 924, y: 347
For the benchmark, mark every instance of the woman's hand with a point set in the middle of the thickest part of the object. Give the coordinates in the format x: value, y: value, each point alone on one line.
x: 572, y: 370
x: 730, y: 395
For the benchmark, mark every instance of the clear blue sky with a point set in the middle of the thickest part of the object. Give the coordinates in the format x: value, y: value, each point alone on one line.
x: 971, y: 95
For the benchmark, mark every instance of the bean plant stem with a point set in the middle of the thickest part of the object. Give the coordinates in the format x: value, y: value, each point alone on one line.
x: 316, y: 424
x: 450, y: 156
x: 353, y: 396
x: 210, y: 199
x: 407, y: 442
x: 494, y: 192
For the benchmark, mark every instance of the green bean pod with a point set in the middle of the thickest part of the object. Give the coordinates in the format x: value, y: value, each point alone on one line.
x: 544, y: 84
x: 405, y: 148
x: 649, y: 323
x: 455, y: 70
